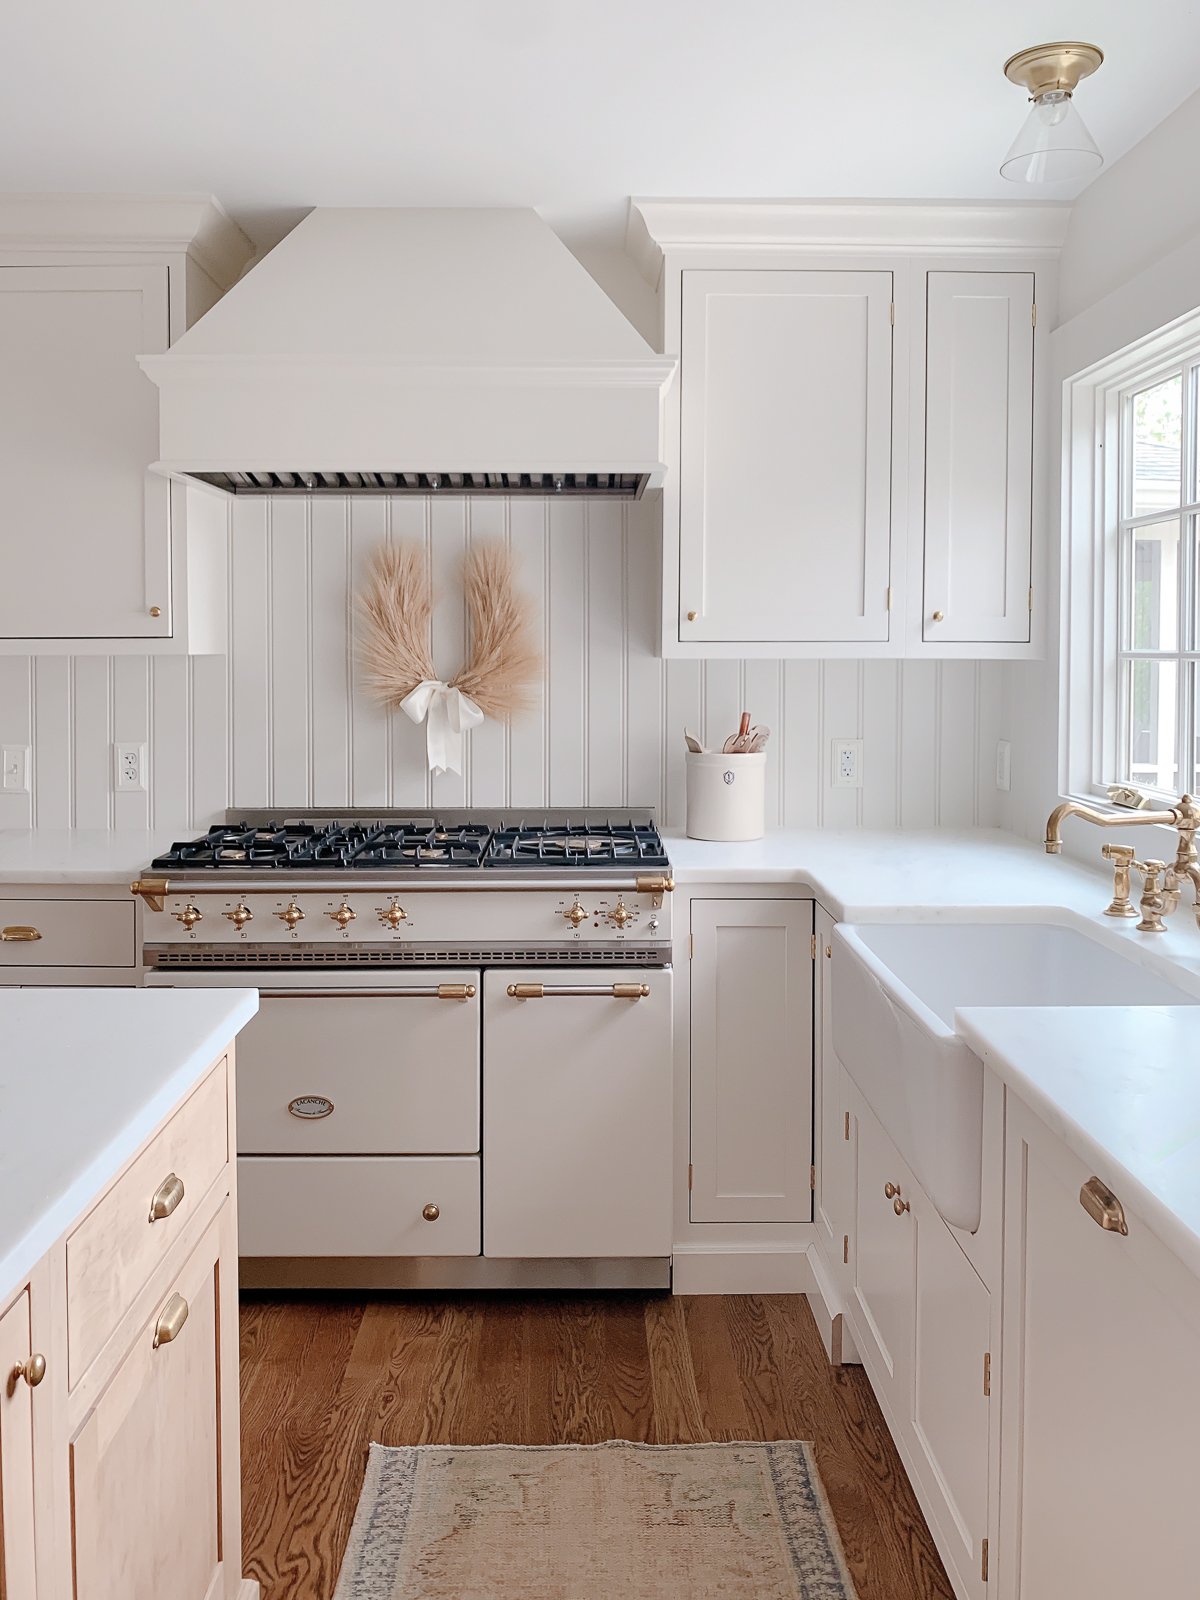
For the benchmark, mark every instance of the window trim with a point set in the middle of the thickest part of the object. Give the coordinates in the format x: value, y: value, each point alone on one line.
x: 1091, y: 520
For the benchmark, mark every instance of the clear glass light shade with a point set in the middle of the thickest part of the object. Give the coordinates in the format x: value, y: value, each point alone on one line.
x: 1053, y: 145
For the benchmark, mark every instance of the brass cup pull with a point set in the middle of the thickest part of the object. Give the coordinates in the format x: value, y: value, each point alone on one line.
x: 33, y: 1371
x: 166, y: 1197
x: 1102, y: 1205
x: 890, y: 1191
x: 900, y: 1206
x: 431, y: 1212
x: 19, y: 935
x: 170, y: 1320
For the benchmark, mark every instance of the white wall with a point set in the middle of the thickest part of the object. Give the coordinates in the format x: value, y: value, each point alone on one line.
x: 283, y: 722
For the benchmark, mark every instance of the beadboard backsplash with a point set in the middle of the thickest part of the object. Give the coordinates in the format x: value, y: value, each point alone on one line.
x: 283, y: 720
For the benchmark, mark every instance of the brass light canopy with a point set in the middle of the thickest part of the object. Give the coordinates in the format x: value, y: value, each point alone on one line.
x: 1053, y: 145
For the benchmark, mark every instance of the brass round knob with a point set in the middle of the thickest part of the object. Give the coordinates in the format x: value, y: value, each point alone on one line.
x: 692, y: 615
x: 431, y: 1212
x: 240, y: 915
x: 890, y: 1190
x: 575, y: 915
x: 394, y: 915
x: 343, y: 916
x: 189, y: 916
x: 156, y: 611
x: 900, y: 1206
x: 939, y: 616
x: 33, y: 1371
x: 292, y: 915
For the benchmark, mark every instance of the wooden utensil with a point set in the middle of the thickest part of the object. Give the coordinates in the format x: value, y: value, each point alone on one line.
x: 693, y: 744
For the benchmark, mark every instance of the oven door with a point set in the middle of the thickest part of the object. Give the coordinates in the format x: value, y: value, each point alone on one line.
x: 577, y: 1112
x: 364, y: 1063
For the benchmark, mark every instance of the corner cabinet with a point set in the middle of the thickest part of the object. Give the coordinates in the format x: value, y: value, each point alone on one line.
x: 100, y: 553
x: 857, y: 433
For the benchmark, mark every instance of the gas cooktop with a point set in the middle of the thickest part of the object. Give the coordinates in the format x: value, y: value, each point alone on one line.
x: 460, y: 840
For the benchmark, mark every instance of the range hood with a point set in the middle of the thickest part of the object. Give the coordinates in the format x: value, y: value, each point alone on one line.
x: 384, y: 351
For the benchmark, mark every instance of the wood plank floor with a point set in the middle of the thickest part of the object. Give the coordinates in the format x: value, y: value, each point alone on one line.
x: 324, y: 1376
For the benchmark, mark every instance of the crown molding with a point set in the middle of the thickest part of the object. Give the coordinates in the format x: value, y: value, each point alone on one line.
x: 176, y: 224
x: 656, y: 228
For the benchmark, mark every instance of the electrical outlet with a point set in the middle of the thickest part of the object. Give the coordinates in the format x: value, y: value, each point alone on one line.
x: 14, y: 763
x: 129, y: 765
x: 847, y: 763
x: 1003, y: 765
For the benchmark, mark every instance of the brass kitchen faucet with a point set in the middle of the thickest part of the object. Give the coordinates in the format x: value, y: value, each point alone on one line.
x: 1162, y: 884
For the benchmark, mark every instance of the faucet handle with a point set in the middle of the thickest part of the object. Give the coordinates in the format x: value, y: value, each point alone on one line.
x: 1121, y: 855
x: 1153, y: 902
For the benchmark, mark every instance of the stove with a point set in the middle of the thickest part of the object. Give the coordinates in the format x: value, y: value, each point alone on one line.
x: 358, y: 888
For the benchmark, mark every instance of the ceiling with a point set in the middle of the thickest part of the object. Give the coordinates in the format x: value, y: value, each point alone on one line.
x: 567, y: 105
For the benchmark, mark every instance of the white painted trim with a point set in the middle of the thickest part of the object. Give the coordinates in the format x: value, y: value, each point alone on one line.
x: 828, y: 1311
x: 752, y: 1269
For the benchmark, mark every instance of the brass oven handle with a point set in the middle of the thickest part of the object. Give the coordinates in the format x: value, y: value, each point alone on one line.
x: 19, y: 935
x: 1102, y: 1205
x: 170, y: 1320
x: 421, y: 991
x: 152, y: 890
x: 548, y: 991
x: 166, y: 1197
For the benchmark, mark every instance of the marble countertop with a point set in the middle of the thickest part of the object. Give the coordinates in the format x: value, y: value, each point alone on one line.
x: 83, y: 855
x: 1120, y: 1089
x: 85, y: 1076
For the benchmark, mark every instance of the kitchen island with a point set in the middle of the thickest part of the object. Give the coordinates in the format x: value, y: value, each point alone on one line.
x: 118, y: 1294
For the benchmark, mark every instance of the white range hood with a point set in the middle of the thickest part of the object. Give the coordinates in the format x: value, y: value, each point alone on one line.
x: 382, y: 350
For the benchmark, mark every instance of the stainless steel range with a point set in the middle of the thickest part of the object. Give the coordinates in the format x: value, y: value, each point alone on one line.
x: 461, y: 1071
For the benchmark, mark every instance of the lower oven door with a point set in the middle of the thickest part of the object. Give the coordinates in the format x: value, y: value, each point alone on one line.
x: 577, y: 1112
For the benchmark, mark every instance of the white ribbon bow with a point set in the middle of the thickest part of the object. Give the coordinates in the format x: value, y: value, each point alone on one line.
x: 450, y: 713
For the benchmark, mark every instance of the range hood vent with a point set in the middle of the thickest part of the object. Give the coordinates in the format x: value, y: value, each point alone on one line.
x: 376, y: 350
x: 613, y: 485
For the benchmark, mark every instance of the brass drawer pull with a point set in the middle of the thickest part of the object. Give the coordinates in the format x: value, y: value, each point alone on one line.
x: 33, y: 1371
x: 19, y: 935
x: 549, y: 991
x: 166, y: 1197
x: 170, y: 1320
x: 1102, y: 1205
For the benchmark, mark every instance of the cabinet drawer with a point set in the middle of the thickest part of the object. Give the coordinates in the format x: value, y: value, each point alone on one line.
x: 358, y: 1205
x: 116, y: 1247
x: 66, y: 933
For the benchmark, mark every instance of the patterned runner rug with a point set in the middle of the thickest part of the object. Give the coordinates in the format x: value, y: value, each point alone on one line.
x: 613, y: 1521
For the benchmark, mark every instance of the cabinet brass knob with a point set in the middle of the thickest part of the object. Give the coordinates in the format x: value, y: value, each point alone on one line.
x: 431, y: 1212
x: 692, y: 615
x: 156, y: 611
x: 33, y: 1371
x: 900, y: 1206
x: 890, y: 1190
x: 170, y: 1320
x: 939, y: 616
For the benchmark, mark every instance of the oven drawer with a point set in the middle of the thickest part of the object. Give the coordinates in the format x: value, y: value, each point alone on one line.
x: 370, y: 1071
x: 358, y: 1205
x: 67, y: 933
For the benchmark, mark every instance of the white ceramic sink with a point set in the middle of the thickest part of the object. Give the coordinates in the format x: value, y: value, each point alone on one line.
x: 896, y: 987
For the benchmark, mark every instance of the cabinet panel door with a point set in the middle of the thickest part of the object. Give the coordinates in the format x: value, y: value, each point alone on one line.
x: 835, y: 1166
x: 978, y: 456
x: 785, y: 456
x: 85, y: 528
x: 145, y: 1466
x: 751, y: 1050
x: 1101, y: 1391
x: 884, y: 1264
x: 577, y: 1114
x: 16, y: 1457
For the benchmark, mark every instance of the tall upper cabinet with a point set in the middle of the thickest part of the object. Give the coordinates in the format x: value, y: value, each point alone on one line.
x: 98, y: 553
x: 856, y: 439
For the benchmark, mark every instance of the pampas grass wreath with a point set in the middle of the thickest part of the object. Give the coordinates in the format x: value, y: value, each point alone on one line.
x: 503, y: 660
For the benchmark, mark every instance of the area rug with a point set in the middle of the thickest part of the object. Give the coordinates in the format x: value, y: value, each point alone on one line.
x: 612, y: 1521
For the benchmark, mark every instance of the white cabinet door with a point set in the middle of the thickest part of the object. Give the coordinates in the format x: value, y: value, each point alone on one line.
x: 785, y: 456
x: 1101, y: 1390
x: 834, y: 1206
x: 978, y: 457
x: 84, y: 527
x: 577, y: 1113
x: 16, y: 1457
x: 884, y: 1256
x: 751, y: 1048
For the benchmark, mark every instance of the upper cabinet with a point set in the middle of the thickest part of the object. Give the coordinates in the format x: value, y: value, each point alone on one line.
x: 856, y: 434
x: 101, y: 554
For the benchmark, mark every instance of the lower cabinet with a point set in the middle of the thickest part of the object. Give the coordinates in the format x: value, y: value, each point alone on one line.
x: 17, y: 1581
x: 1101, y: 1390
x: 833, y: 1210
x: 751, y: 1060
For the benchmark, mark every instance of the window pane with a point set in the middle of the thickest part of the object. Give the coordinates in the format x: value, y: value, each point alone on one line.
x: 1150, y: 699
x: 1154, y: 587
x: 1157, y: 424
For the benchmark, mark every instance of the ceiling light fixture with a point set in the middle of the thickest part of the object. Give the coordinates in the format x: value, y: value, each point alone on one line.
x: 1053, y: 145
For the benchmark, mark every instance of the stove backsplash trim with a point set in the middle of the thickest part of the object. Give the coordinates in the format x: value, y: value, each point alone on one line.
x: 284, y: 721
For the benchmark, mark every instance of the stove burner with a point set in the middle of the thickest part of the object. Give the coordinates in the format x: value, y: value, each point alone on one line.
x: 416, y: 843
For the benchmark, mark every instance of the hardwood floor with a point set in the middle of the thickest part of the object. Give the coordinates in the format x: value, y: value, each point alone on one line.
x: 323, y: 1377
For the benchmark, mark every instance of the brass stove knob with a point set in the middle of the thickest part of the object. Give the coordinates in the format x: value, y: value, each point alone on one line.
x: 621, y: 914
x: 343, y: 916
x: 189, y: 916
x: 393, y: 916
x: 240, y: 915
x: 576, y: 914
x: 292, y: 915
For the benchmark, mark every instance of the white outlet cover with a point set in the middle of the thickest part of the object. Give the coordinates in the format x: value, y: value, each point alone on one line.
x: 14, y: 766
x: 847, y: 763
x: 129, y: 768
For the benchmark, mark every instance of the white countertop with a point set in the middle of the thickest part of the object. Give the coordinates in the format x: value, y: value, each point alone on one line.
x: 1121, y: 1089
x: 85, y: 1076
x: 83, y: 855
